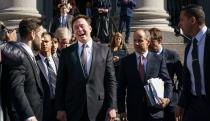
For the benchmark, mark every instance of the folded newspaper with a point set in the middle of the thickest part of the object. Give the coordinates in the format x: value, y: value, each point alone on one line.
x: 154, y: 91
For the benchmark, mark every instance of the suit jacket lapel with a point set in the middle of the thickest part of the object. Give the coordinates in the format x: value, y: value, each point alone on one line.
x: 94, y: 54
x: 134, y: 65
x: 35, y: 69
x: 41, y: 66
x: 56, y: 61
x: 151, y: 66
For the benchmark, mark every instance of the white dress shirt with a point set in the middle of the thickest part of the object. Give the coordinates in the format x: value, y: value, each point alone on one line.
x: 89, y: 50
x: 28, y: 50
x: 138, y: 59
x: 201, y: 37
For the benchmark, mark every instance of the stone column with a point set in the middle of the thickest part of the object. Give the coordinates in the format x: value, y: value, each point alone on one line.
x: 12, y: 11
x: 151, y: 13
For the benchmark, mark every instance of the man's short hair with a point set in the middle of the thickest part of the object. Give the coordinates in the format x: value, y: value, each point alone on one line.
x: 88, y: 19
x: 46, y: 33
x: 196, y: 11
x: 61, y: 31
x: 28, y: 25
x: 155, y: 34
x: 147, y: 33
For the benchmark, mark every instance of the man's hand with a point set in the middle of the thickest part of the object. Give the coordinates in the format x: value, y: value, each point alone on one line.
x: 179, y: 113
x: 123, y: 117
x: 164, y: 102
x: 100, y: 10
x: 105, y: 10
x: 33, y: 118
x: 111, y: 115
x: 116, y: 58
x: 61, y: 116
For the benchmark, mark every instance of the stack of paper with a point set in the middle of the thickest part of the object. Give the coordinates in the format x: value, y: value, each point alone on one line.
x: 154, y: 90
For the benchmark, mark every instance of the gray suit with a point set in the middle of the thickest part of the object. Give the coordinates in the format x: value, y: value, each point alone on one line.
x: 94, y: 94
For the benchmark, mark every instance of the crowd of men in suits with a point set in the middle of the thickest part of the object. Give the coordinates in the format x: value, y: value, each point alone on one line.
x: 78, y: 83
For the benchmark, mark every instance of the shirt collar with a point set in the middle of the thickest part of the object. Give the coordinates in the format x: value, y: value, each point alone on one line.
x: 89, y: 43
x: 43, y: 57
x: 145, y: 54
x: 160, y: 51
x: 27, y: 48
x: 201, y: 34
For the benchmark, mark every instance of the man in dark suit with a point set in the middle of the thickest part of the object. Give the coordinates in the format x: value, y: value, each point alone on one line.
x: 24, y: 81
x: 126, y: 14
x: 48, y: 65
x: 63, y: 19
x: 10, y: 57
x: 86, y: 85
x: 194, y: 102
x: 102, y: 13
x: 135, y: 70
x: 174, y: 67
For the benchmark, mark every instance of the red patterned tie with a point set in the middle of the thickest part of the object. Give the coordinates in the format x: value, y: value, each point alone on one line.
x: 141, y: 67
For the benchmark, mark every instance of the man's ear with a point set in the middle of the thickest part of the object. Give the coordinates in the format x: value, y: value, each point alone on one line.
x: 148, y: 42
x: 193, y: 20
x: 160, y: 41
x: 32, y: 35
x: 90, y: 28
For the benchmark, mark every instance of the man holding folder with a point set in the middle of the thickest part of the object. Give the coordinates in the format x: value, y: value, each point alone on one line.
x: 135, y: 70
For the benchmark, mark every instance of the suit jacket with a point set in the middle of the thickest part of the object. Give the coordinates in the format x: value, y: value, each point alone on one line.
x: 10, y: 55
x: 25, y: 88
x: 186, y: 94
x: 174, y: 66
x: 102, y: 4
x: 55, y: 23
x: 126, y: 9
x: 75, y: 92
x: 49, y: 113
x: 129, y: 80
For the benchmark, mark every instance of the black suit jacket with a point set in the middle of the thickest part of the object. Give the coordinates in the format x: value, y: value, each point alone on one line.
x: 8, y: 58
x: 174, y: 66
x: 186, y: 93
x: 74, y: 91
x: 26, y: 89
x: 55, y: 23
x: 49, y: 113
x: 129, y: 80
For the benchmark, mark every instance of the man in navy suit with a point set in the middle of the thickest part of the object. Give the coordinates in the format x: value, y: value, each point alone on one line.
x: 63, y: 19
x: 135, y: 70
x: 48, y: 75
x: 126, y: 13
x: 194, y: 103
x: 86, y: 85
x: 174, y: 67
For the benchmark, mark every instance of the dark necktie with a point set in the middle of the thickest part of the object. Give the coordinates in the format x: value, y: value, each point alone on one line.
x: 196, y: 67
x: 83, y: 58
x: 51, y: 77
x: 141, y: 68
